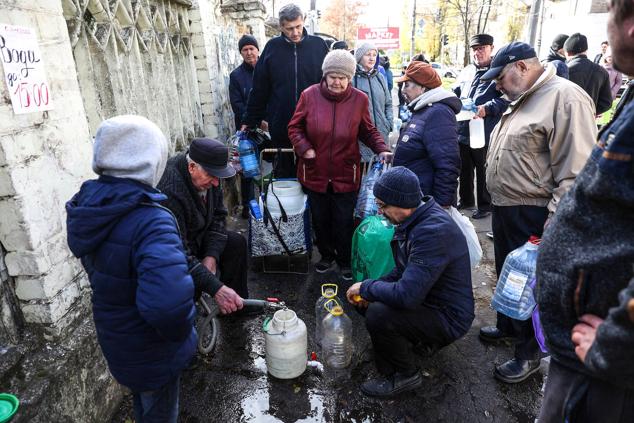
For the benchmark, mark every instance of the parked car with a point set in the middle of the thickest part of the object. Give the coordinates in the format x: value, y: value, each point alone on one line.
x: 443, y: 71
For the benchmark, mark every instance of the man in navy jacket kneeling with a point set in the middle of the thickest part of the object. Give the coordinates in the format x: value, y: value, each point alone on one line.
x: 426, y: 302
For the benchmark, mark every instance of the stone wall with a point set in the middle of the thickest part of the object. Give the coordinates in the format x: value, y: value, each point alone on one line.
x: 217, y: 26
x: 135, y: 57
x: 43, y: 159
x: 166, y: 59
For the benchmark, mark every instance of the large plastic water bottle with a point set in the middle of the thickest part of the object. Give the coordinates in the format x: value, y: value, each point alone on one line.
x: 248, y: 158
x: 366, y: 206
x: 328, y: 292
x: 476, y: 133
x: 513, y: 295
x: 286, y: 344
x: 337, y: 337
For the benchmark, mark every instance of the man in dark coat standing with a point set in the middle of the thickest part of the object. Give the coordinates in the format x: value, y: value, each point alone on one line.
x: 594, y: 79
x: 426, y: 302
x: 194, y: 194
x: 585, y: 289
x: 240, y: 84
x: 490, y: 106
x: 289, y: 64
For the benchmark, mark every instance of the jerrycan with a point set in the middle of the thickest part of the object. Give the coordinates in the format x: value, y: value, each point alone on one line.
x: 286, y: 343
x: 328, y: 292
x: 336, y: 341
x: 513, y: 295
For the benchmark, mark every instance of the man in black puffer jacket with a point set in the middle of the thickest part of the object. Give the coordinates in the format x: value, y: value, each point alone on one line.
x: 288, y: 65
x: 585, y: 289
x: 588, y: 75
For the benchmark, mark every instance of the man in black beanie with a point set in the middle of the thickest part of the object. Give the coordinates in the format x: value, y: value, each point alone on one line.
x: 240, y: 84
x: 594, y: 79
x: 556, y: 55
x: 426, y: 302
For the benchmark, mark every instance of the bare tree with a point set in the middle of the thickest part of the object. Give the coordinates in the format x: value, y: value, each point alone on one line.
x: 473, y: 16
x: 340, y: 19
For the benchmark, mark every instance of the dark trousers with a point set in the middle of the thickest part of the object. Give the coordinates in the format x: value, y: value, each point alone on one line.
x: 473, y: 158
x: 158, y: 406
x: 333, y: 223
x: 576, y: 398
x: 233, y: 264
x: 512, y: 226
x: 247, y: 192
x: 396, y: 332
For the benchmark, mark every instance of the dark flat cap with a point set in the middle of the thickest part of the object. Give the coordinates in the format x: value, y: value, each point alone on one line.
x: 481, y: 40
x: 213, y: 156
x: 576, y: 43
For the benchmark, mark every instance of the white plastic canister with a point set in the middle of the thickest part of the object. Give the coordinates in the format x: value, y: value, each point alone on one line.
x: 289, y: 193
x: 286, y: 344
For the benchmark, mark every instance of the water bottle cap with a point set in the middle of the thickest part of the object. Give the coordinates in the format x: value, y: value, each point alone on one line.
x: 534, y: 239
x: 337, y: 310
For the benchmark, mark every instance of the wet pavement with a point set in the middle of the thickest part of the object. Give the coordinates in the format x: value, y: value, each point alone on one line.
x: 232, y: 385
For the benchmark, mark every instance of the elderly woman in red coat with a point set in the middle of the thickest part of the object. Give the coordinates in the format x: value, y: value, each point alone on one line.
x: 328, y: 120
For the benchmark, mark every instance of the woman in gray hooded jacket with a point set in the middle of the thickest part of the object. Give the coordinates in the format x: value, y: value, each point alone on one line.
x: 369, y: 80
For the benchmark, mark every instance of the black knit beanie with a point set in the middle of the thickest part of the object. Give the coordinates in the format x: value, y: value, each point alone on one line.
x: 559, y: 41
x: 247, y: 40
x: 576, y: 43
x: 399, y: 187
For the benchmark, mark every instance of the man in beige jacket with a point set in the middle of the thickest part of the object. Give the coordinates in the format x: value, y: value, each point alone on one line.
x: 536, y: 151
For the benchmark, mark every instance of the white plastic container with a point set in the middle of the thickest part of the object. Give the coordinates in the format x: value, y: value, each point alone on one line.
x: 336, y: 341
x: 286, y: 343
x: 289, y: 193
x: 476, y: 133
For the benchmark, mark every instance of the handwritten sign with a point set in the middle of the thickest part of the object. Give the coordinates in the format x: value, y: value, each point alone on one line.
x: 386, y: 38
x: 24, y: 70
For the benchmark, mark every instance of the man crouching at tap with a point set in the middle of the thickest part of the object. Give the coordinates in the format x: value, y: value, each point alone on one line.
x: 426, y: 302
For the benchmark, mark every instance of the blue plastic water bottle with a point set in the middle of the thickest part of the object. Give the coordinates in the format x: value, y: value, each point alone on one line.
x: 248, y: 158
x: 255, y: 209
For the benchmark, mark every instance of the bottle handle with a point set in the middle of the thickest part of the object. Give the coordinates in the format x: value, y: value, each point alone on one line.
x: 327, y: 285
x: 335, y: 304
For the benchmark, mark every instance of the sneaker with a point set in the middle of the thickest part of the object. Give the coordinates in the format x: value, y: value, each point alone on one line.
x: 322, y: 266
x: 490, y: 235
x: 346, y: 273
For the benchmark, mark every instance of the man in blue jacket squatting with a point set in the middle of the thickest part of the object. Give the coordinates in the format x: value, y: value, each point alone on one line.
x: 426, y: 302
x: 142, y: 294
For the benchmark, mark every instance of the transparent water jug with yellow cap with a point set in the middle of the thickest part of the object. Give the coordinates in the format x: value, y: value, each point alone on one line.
x: 328, y: 292
x: 336, y: 342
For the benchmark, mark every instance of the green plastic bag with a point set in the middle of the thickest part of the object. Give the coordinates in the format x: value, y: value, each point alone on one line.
x: 371, y: 251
